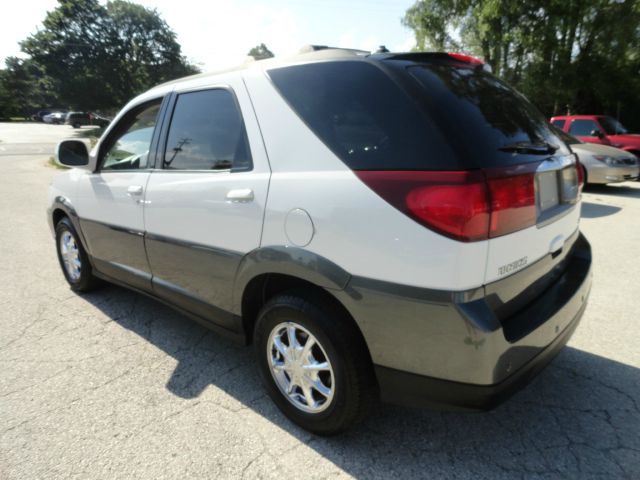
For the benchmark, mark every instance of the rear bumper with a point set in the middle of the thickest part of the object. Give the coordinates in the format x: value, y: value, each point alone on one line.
x: 408, y: 389
x: 471, y: 350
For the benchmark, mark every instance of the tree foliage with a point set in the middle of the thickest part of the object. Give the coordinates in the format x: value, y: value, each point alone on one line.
x: 24, y: 88
x: 98, y: 57
x: 260, y: 52
x: 577, y: 55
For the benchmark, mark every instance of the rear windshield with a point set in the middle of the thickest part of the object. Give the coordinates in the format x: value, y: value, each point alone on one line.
x: 416, y: 117
x: 483, y: 111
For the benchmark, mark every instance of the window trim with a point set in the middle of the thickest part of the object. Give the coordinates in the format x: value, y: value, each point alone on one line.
x: 117, y: 130
x: 164, y: 134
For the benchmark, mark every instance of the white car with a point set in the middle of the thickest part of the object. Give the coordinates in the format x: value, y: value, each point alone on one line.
x: 602, y: 163
x: 326, y: 209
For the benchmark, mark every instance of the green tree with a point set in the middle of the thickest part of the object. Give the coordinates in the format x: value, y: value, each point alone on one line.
x: 101, y: 56
x: 260, y: 52
x: 24, y: 88
x: 563, y: 54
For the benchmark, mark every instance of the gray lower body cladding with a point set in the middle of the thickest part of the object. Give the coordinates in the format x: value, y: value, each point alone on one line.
x: 429, y: 347
x: 469, y: 350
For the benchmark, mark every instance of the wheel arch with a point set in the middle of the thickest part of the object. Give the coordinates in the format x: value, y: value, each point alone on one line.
x: 62, y: 207
x: 269, y: 271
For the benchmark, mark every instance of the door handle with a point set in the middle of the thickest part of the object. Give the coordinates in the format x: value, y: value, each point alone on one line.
x: 134, y: 190
x: 240, y: 195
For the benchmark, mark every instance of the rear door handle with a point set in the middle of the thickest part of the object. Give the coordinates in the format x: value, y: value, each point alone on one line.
x: 134, y: 190
x: 240, y: 195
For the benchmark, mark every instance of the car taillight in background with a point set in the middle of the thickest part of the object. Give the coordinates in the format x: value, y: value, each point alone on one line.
x: 464, y: 205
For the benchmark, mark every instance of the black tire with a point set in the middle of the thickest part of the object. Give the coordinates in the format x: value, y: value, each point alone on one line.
x: 354, y: 385
x: 76, y: 125
x: 86, y: 281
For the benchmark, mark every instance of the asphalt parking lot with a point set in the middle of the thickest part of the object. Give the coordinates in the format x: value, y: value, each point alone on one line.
x: 114, y: 385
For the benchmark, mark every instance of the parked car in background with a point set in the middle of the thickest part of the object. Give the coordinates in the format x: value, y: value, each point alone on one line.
x: 57, y: 118
x: 78, y: 119
x: 40, y: 114
x: 257, y: 221
x: 599, y: 129
x: 602, y: 163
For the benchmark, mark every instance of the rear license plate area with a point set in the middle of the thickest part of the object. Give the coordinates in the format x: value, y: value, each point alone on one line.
x: 548, y: 192
x: 556, y: 192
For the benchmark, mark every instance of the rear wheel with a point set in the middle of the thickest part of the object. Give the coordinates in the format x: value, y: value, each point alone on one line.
x: 313, y: 363
x: 73, y: 258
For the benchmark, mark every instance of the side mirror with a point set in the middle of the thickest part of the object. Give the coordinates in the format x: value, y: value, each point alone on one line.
x: 72, y: 153
x: 596, y: 133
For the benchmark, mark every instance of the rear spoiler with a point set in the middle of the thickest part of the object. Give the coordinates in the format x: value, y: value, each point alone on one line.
x: 436, y: 56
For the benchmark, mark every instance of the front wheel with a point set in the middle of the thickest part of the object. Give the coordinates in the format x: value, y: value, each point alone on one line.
x: 314, y: 363
x: 73, y: 258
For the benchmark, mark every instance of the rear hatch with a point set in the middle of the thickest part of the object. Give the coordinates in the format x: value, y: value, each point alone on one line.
x: 449, y: 145
x: 529, y: 169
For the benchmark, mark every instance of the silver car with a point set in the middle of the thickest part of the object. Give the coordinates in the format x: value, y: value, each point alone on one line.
x: 57, y: 118
x: 602, y: 163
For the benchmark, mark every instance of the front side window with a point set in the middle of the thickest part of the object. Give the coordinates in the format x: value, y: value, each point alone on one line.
x: 583, y: 128
x: 559, y: 124
x: 207, y: 133
x: 129, y: 147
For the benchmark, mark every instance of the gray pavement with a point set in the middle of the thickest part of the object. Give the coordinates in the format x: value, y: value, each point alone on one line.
x: 114, y: 385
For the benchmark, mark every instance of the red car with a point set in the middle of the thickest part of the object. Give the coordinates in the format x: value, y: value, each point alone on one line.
x: 599, y: 129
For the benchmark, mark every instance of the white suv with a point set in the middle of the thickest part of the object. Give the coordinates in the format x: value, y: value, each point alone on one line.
x: 394, y: 226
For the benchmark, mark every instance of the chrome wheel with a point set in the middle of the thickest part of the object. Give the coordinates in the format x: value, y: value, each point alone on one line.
x: 70, y: 256
x: 300, y: 367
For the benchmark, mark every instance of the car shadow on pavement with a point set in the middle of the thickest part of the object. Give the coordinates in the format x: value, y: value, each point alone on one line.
x: 579, y: 418
x: 596, y: 210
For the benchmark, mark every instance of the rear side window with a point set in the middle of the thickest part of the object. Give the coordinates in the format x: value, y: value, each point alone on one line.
x: 207, y: 133
x: 359, y: 112
x: 583, y: 128
x: 559, y: 124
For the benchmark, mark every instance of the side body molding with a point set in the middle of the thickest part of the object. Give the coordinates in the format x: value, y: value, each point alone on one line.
x: 293, y: 261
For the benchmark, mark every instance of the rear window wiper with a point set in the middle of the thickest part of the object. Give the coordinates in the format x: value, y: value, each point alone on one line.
x: 538, y: 148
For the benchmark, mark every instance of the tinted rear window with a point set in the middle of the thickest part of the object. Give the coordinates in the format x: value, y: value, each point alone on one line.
x: 360, y: 113
x: 482, y: 113
x: 207, y: 133
x: 413, y: 116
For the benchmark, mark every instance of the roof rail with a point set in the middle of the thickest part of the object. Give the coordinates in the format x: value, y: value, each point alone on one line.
x: 315, y: 48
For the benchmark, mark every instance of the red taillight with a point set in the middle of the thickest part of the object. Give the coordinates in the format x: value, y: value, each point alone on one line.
x: 464, y: 205
x: 513, y: 204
